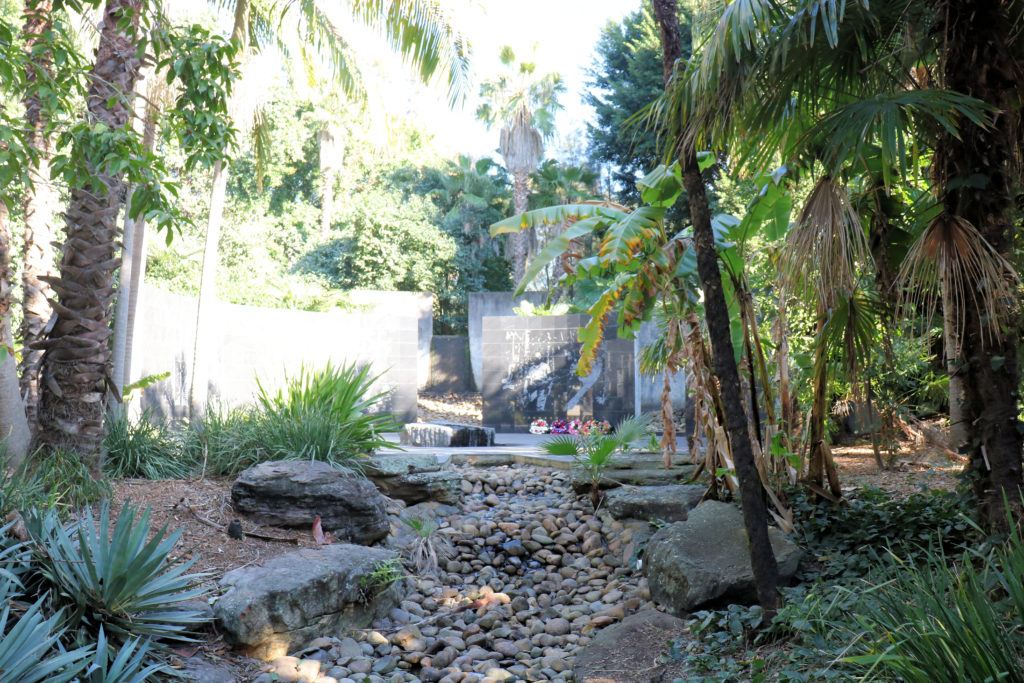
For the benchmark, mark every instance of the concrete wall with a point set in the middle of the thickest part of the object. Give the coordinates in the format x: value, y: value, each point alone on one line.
x: 269, y: 343
x: 449, y: 364
x: 529, y: 372
x: 482, y: 304
x: 648, y: 389
x: 401, y: 304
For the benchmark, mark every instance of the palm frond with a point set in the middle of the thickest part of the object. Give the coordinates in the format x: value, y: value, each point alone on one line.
x: 563, y: 444
x: 827, y: 245
x: 952, y: 255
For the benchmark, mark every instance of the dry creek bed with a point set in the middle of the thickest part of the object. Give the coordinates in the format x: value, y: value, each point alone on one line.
x: 535, y: 572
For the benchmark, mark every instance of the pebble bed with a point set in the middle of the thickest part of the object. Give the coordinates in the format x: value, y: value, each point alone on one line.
x: 535, y: 573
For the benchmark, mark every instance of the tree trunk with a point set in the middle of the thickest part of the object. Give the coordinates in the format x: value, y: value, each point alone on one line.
x: 40, y: 210
x: 979, y: 63
x: 76, y: 359
x: 200, y: 387
x: 755, y: 513
x: 958, y: 427
x: 13, y: 423
x: 133, y: 249
x: 330, y: 154
x: 205, y: 320
x: 520, y: 241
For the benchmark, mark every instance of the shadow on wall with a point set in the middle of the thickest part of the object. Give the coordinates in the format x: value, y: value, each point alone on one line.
x: 273, y: 343
x: 529, y: 368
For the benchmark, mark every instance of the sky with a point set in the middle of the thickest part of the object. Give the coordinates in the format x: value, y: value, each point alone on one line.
x: 558, y: 35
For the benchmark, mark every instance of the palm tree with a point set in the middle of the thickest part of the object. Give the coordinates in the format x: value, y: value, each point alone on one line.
x: 417, y: 29
x: 76, y: 354
x: 523, y: 103
x: 13, y: 423
x: 765, y: 83
x: 755, y: 513
x: 39, y: 204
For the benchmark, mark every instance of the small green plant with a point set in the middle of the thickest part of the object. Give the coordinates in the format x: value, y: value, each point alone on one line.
x: 385, y: 573
x: 119, y: 580
x: 592, y: 453
x: 429, y: 546
x: 67, y: 479
x: 324, y: 415
x: 145, y: 448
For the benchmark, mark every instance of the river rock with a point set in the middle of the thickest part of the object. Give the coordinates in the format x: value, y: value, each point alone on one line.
x: 267, y: 611
x: 414, y: 478
x: 631, y: 651
x: 292, y: 493
x: 446, y: 434
x: 650, y: 503
x: 706, y: 560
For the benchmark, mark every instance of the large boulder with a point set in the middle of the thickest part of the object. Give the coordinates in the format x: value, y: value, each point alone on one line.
x: 414, y: 478
x: 445, y: 435
x: 652, y: 503
x: 631, y: 651
x: 292, y: 493
x: 706, y: 560
x: 268, y: 611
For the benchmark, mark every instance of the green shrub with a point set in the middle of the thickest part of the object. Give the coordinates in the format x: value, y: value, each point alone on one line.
x: 119, y: 580
x: 145, y: 448
x: 223, y: 442
x: 67, y: 479
x: 323, y: 415
x: 131, y: 663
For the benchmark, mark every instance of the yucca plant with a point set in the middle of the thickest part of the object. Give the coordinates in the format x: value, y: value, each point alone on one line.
x: 429, y: 545
x: 30, y: 645
x: 144, y: 448
x: 114, y: 579
x: 131, y: 663
x: 592, y: 453
x: 324, y: 415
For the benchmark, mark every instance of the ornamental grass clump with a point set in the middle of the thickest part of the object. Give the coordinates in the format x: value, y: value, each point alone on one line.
x: 324, y: 415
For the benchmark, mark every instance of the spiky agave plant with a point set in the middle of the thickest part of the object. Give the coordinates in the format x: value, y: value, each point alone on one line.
x: 592, y: 453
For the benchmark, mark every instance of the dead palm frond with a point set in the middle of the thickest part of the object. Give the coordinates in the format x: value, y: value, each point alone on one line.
x: 826, y: 246
x: 429, y: 547
x: 952, y: 260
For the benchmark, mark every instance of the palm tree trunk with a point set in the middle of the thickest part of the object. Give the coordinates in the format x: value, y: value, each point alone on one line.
x: 205, y: 320
x: 13, y: 423
x: 755, y: 512
x: 329, y: 157
x: 958, y: 428
x: 76, y: 359
x: 133, y: 251
x: 200, y: 388
x: 979, y: 63
x: 40, y: 209
x: 520, y: 241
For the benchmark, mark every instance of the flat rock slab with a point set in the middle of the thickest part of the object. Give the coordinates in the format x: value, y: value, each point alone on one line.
x: 631, y: 651
x: 705, y: 560
x: 446, y: 434
x: 635, y: 470
x: 414, y: 478
x: 268, y: 611
x: 652, y: 503
x: 292, y: 493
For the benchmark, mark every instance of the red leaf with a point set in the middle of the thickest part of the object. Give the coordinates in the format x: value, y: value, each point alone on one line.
x: 318, y: 533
